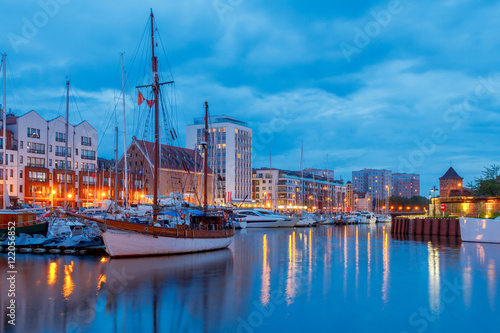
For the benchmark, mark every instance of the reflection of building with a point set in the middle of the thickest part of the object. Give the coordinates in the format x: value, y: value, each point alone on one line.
x: 229, y: 156
x: 287, y: 190
x: 405, y: 185
x: 451, y: 184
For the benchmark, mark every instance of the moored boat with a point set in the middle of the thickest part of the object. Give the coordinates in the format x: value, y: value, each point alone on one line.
x: 480, y: 230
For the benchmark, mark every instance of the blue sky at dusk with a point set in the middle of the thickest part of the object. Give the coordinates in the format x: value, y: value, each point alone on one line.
x: 409, y: 86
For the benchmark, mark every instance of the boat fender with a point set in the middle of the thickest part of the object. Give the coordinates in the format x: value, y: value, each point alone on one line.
x: 224, y: 215
x: 181, y: 215
x: 146, y: 229
x: 127, y: 215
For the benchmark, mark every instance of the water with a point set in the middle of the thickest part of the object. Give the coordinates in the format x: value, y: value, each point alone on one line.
x: 324, y: 279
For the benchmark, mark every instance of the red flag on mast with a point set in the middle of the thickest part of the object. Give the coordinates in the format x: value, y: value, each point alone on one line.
x: 140, y: 99
x: 150, y: 103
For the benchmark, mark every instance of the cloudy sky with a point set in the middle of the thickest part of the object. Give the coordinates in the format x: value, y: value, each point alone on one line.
x: 410, y: 86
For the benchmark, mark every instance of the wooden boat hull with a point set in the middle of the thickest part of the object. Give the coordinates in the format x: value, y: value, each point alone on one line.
x: 125, y: 239
x: 40, y: 228
x: 120, y: 243
x: 480, y: 230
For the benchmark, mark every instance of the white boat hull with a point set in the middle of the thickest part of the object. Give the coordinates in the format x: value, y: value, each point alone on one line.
x: 128, y: 244
x: 480, y: 230
x: 305, y: 223
x: 240, y: 225
x: 264, y: 224
x: 290, y: 223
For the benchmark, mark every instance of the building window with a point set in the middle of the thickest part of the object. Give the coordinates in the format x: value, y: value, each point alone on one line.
x: 36, y: 162
x: 11, y: 173
x: 86, y: 141
x: 20, y: 188
x: 88, y: 154
x: 60, y: 137
x: 21, y: 145
x: 37, y: 148
x: 10, y: 188
x: 12, y: 158
x: 33, y: 133
x: 21, y: 174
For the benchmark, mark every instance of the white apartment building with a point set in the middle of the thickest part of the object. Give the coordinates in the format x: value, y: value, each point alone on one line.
x: 229, y: 155
x: 378, y: 183
x: 36, y: 160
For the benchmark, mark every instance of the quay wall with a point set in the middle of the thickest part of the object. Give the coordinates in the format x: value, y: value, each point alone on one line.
x: 428, y: 226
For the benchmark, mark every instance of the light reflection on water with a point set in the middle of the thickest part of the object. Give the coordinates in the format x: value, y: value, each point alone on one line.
x: 349, y: 278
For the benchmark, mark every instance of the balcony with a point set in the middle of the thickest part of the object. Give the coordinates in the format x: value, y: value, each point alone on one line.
x: 61, y: 167
x: 36, y: 165
x: 88, y: 157
x: 61, y: 153
x: 36, y: 151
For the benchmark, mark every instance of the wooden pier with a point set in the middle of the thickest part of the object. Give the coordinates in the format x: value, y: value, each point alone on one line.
x: 428, y: 226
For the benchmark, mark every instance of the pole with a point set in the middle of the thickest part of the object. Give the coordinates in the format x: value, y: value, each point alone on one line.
x: 66, y: 147
x: 205, y: 163
x: 156, y: 88
x: 4, y: 132
x: 116, y: 166
x: 125, y: 198
x: 302, y: 173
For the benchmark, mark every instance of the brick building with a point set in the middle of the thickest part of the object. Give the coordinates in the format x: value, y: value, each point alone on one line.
x: 450, y: 184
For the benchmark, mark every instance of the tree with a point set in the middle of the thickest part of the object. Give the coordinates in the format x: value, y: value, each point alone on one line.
x: 488, y: 184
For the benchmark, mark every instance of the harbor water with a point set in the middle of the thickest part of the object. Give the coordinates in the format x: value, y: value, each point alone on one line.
x: 356, y: 278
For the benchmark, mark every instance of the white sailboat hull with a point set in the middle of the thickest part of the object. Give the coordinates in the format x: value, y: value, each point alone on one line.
x: 264, y: 224
x: 480, y: 230
x: 129, y: 244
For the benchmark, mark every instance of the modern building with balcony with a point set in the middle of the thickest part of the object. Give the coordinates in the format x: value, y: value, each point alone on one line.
x: 285, y: 190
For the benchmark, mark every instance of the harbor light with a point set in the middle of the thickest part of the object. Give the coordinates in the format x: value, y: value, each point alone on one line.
x: 69, y: 195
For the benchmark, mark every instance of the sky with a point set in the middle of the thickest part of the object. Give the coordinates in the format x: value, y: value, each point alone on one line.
x: 409, y: 86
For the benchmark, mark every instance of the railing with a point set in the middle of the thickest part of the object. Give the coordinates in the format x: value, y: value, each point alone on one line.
x: 88, y: 157
x: 36, y: 165
x: 61, y: 153
x: 61, y: 167
x: 37, y: 180
x: 36, y: 151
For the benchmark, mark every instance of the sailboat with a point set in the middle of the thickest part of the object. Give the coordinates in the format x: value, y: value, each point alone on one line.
x: 204, y: 232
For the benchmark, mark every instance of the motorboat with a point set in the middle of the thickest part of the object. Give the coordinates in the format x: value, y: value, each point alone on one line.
x: 480, y: 230
x: 239, y: 221
x: 255, y: 219
x: 307, y: 220
x: 384, y: 218
x: 289, y: 222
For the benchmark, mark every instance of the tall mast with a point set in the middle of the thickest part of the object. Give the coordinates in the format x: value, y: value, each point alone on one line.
x: 4, y: 133
x: 302, y: 171
x: 156, y: 87
x: 116, y: 165
x: 125, y: 197
x: 205, y: 148
x: 66, y: 148
x: 327, y: 187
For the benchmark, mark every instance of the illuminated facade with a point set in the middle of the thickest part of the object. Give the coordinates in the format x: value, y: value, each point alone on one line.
x: 229, y: 155
x: 288, y: 190
x: 405, y: 184
x: 450, y: 183
x: 36, y: 161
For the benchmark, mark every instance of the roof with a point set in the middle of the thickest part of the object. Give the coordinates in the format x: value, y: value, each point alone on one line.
x: 451, y: 174
x: 172, y: 157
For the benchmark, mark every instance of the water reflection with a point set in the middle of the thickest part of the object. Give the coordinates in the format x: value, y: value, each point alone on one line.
x: 485, y: 258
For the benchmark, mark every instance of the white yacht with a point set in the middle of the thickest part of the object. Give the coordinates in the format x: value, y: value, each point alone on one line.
x: 307, y: 220
x: 367, y: 218
x: 255, y: 219
x: 480, y: 230
x: 239, y: 221
x: 289, y: 222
